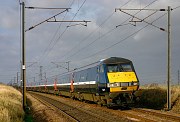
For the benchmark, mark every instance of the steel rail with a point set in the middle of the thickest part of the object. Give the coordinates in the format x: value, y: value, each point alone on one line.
x: 76, y: 113
x: 71, y: 118
x: 158, y: 114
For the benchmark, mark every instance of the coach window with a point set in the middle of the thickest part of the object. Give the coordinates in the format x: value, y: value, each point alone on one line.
x: 76, y: 78
x: 83, y: 77
x: 101, y: 69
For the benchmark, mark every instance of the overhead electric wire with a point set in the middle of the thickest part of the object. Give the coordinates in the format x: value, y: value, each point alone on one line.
x: 107, y: 33
x: 69, y: 24
x: 43, y: 55
x: 121, y: 23
x: 46, y: 52
x: 75, y: 53
x: 48, y: 47
x: 105, y: 49
x: 84, y: 39
x: 150, y: 15
x: 110, y: 30
x: 45, y: 20
x: 66, y: 28
x: 44, y: 8
x: 176, y: 7
x: 139, y: 11
x: 53, y: 38
x: 143, y: 20
x: 102, y: 24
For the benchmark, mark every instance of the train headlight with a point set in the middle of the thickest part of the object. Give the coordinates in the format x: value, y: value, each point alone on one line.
x: 118, y: 84
x: 135, y: 83
x: 110, y: 85
x: 113, y: 85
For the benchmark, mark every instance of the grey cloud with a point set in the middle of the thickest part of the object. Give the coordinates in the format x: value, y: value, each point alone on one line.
x: 147, y: 49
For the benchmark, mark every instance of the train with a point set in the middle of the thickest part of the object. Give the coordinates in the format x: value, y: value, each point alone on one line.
x: 110, y: 82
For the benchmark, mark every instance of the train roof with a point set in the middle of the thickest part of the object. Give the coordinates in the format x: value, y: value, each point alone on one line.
x: 113, y: 60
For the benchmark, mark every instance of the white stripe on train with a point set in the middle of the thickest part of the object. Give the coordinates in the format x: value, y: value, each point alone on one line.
x: 68, y: 84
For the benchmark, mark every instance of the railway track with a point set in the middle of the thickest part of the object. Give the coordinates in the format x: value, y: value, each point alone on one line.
x: 77, y: 111
x: 149, y: 115
x: 76, y: 114
x: 163, y: 115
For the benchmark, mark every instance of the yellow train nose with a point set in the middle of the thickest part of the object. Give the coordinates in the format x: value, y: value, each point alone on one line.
x: 122, y: 81
x: 122, y: 77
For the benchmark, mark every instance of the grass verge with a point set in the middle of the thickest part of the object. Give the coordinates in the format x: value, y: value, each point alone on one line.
x: 10, y: 104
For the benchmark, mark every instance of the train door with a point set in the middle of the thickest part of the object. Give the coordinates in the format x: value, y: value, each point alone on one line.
x: 102, y: 79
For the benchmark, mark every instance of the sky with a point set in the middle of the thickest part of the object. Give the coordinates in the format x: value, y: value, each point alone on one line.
x: 109, y: 34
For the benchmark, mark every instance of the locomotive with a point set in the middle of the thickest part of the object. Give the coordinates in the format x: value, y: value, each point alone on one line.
x: 111, y: 82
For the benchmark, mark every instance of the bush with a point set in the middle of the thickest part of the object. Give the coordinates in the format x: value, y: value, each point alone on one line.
x: 153, y: 98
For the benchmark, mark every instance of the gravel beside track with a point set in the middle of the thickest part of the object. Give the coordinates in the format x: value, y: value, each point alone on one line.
x: 42, y: 112
x: 86, y: 112
x: 163, y: 115
x: 76, y: 112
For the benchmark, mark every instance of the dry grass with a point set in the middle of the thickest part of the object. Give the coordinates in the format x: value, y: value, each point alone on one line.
x: 155, y: 96
x: 10, y: 105
x: 176, y: 99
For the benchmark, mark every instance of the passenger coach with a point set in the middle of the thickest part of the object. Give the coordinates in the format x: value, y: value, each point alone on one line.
x: 110, y: 82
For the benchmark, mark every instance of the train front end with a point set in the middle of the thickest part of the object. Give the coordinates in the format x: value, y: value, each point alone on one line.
x: 122, y: 80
